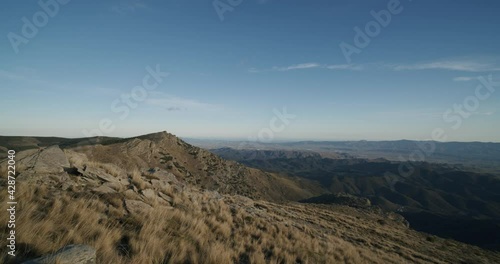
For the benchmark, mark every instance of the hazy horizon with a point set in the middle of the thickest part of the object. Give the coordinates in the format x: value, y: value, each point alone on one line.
x: 256, y: 140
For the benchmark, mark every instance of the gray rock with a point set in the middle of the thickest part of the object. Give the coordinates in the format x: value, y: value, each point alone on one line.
x: 137, y: 207
x: 71, y: 254
x: 22, y: 157
x: 51, y: 159
x: 149, y: 194
x: 44, y: 161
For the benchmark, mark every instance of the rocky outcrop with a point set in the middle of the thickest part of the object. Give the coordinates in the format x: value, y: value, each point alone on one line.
x: 47, y: 165
x: 43, y: 161
x: 71, y: 254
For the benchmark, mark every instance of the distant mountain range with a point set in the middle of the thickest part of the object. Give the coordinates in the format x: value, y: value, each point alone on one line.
x: 479, y: 156
x: 440, y: 199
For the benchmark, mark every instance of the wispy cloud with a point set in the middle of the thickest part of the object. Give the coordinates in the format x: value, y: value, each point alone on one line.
x: 310, y: 65
x: 173, y: 103
x: 297, y: 67
x: 354, y: 67
x: 450, y: 65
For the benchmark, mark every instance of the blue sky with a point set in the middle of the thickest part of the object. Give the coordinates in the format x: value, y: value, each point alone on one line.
x: 228, y: 77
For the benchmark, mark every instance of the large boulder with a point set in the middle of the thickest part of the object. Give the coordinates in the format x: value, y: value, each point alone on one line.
x: 71, y: 254
x: 45, y: 161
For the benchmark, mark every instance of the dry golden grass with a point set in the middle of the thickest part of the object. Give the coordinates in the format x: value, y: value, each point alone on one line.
x: 44, y: 223
x: 80, y: 160
x: 4, y: 168
x: 75, y: 159
x: 207, y: 228
x: 137, y: 180
x: 168, y: 190
x: 208, y: 231
x: 112, y: 169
